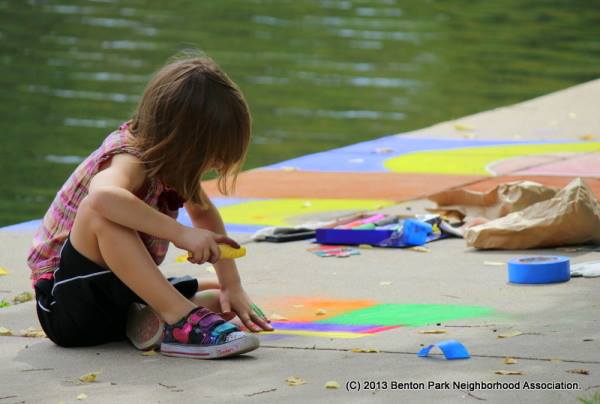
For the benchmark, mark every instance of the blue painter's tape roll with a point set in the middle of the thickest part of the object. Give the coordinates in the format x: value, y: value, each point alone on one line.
x: 539, y: 269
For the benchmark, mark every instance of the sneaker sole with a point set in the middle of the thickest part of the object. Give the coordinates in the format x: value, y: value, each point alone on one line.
x: 232, y: 348
x: 144, y: 327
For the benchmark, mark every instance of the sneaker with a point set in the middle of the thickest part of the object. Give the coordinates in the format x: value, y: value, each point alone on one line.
x: 144, y: 327
x: 203, y: 334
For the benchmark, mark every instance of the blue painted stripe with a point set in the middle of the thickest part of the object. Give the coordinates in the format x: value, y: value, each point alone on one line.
x: 361, y: 157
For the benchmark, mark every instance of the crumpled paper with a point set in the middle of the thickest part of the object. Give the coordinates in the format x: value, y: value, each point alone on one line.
x: 498, y: 202
x: 571, y: 217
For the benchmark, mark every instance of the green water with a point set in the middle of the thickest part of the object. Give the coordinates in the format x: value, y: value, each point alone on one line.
x: 317, y: 74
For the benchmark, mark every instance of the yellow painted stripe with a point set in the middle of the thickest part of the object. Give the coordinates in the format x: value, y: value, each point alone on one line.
x: 281, y: 212
x: 324, y: 334
x: 476, y: 160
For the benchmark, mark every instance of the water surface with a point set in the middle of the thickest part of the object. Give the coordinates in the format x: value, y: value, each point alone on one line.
x: 317, y: 74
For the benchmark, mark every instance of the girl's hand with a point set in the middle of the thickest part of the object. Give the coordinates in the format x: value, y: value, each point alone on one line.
x: 235, y: 299
x: 202, y: 244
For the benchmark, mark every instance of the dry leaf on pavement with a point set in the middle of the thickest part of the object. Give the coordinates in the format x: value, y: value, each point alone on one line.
x: 89, y: 377
x: 332, y: 384
x: 510, y: 334
x: 32, y: 333
x: 579, y: 371
x: 5, y: 332
x: 23, y: 297
x: 295, y: 381
x: 432, y: 331
x: 365, y: 350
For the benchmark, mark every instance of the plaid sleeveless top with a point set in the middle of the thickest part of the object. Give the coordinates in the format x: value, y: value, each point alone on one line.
x: 44, y: 254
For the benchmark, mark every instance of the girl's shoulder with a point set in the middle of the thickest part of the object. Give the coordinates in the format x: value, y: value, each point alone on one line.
x: 119, y: 141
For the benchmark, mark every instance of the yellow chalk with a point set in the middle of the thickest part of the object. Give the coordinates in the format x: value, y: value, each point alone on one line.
x: 229, y: 252
x: 226, y: 252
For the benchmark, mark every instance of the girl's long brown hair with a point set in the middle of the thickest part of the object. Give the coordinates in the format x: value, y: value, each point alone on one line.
x: 192, y: 119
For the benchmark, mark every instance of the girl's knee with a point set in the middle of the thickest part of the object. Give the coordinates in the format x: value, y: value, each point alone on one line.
x: 92, y: 220
x: 211, y: 299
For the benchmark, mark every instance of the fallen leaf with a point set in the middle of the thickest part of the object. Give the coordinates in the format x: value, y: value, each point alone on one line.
x: 420, y: 249
x: 294, y: 381
x: 579, y: 371
x: 5, y: 332
x: 463, y: 126
x: 494, y: 263
x: 32, y: 333
x: 23, y: 297
x: 82, y: 396
x: 151, y: 352
x: 321, y: 312
x: 587, y: 136
x: 383, y: 150
x: 510, y: 334
x: 278, y: 317
x: 385, y: 283
x: 182, y: 258
x: 509, y: 361
x: 3, y: 271
x: 432, y: 331
x: 365, y: 350
x: 508, y: 372
x: 89, y: 377
x: 332, y: 384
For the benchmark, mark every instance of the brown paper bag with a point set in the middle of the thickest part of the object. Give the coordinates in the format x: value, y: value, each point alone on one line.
x: 569, y: 218
x: 500, y: 201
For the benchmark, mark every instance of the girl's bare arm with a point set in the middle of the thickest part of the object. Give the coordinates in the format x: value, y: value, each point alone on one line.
x: 111, y: 193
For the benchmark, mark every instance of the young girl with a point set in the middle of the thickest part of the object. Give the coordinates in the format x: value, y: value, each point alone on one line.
x: 97, y: 249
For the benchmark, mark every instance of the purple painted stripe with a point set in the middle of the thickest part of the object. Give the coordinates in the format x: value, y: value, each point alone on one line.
x: 323, y: 327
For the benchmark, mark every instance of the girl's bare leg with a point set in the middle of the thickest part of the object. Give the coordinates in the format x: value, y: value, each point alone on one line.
x: 209, y: 296
x: 209, y: 299
x: 121, y: 250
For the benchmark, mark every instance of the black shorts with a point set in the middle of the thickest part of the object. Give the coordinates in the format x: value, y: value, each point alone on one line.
x: 86, y: 304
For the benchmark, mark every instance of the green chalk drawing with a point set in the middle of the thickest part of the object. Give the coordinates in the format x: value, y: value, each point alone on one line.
x: 407, y: 314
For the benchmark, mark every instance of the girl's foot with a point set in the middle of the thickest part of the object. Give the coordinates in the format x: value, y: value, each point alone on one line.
x: 203, y: 334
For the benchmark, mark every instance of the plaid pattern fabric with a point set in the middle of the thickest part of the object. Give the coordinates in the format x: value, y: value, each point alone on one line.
x: 44, y: 254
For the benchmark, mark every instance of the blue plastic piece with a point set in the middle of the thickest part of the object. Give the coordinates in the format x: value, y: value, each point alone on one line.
x: 347, y: 236
x: 415, y: 232
x: 451, y: 349
x: 539, y: 269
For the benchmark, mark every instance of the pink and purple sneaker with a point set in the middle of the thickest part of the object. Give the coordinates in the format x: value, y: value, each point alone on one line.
x: 203, y: 334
